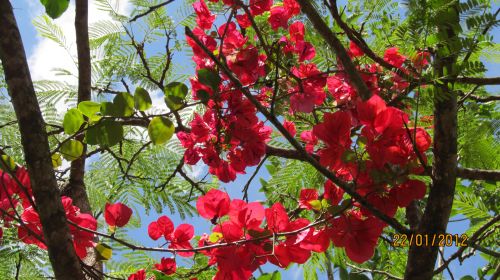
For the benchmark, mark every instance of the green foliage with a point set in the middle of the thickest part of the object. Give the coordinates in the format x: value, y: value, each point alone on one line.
x: 160, y: 130
x: 72, y: 122
x: 106, y: 134
x: 55, y: 8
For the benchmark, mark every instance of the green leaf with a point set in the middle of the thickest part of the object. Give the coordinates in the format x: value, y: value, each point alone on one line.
x: 56, y: 160
x: 108, y: 109
x: 72, y: 122
x: 142, y: 99
x: 105, y: 251
x: 71, y: 149
x: 467, y: 277
x: 89, y: 108
x: 124, y: 104
x: 160, y: 130
x: 160, y: 275
x: 175, y: 93
x: 203, y: 95
x: 55, y: 8
x: 268, y: 276
x: 7, y: 162
x: 106, y: 134
x: 210, y: 78
x: 358, y: 276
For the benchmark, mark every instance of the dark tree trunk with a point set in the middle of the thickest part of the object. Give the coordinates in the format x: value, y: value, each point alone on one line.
x: 62, y: 255
x: 422, y: 259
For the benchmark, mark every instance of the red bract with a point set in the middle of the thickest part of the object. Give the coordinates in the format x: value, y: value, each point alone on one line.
x: 392, y: 56
x: 420, y: 60
x: 258, y: 7
x: 214, y: 204
x: 312, y: 93
x: 278, y: 18
x: 117, y: 214
x: 308, y: 137
x: 333, y: 193
x: 297, y: 31
x: 306, y: 196
x: 247, y: 216
x: 408, y: 191
x: 181, y: 238
x: 359, y: 236
x: 277, y: 218
x: 354, y: 50
x: 162, y: 227
x: 290, y: 127
x: 167, y: 266
x: 335, y: 132
x: 204, y: 17
x: 340, y: 89
x: 291, y: 7
x: 139, y: 275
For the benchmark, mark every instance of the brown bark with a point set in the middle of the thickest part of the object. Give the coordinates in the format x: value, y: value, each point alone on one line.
x: 76, y: 186
x: 422, y: 259
x: 62, y: 255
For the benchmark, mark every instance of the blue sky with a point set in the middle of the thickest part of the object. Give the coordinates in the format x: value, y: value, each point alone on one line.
x: 44, y: 55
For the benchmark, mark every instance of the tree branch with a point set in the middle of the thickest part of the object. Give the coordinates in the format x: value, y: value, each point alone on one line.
x: 62, y: 254
x: 336, y: 45
x: 478, y: 174
x: 150, y: 10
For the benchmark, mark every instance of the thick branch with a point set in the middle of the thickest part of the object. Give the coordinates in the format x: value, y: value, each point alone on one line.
x: 336, y: 45
x: 478, y: 81
x: 422, y: 259
x: 478, y: 174
x: 62, y: 255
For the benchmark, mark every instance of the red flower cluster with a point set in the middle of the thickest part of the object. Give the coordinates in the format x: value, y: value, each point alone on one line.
x: 178, y: 238
x: 14, y: 195
x: 81, y: 239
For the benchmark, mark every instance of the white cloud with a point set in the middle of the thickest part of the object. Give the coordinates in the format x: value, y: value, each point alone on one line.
x: 47, y: 55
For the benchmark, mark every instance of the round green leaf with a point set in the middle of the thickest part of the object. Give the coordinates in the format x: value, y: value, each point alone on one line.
x: 142, y: 100
x: 175, y: 93
x: 55, y: 8
x: 209, y: 77
x: 358, y: 276
x: 7, y: 162
x: 109, y: 109
x: 89, y: 108
x: 56, y: 160
x: 106, y: 134
x: 160, y: 130
x: 124, y: 104
x: 71, y: 149
x: 72, y: 122
x: 105, y: 251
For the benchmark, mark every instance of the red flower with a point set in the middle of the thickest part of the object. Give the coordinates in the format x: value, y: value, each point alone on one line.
x: 291, y: 7
x: 81, y: 239
x: 297, y: 31
x: 392, y: 56
x: 308, y: 137
x: 278, y: 18
x: 306, y: 196
x: 258, y: 7
x: 420, y: 61
x: 139, y: 275
x: 214, y: 204
x: 243, y: 21
x: 162, y: 227
x: 181, y: 238
x: 117, y: 214
x: 335, y: 132
x: 354, y: 50
x: 290, y: 127
x: 204, y: 19
x: 359, y: 236
x: 167, y: 266
x: 247, y: 216
x: 408, y: 191
x: 305, y: 50
x: 333, y: 193
x: 277, y: 218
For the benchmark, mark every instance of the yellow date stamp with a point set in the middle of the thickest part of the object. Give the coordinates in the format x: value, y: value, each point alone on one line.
x: 440, y: 240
